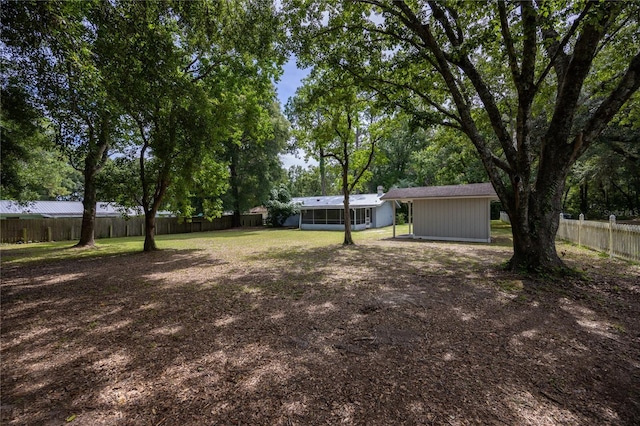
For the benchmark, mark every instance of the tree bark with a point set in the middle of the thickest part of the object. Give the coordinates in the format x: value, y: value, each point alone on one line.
x: 235, y: 191
x: 348, y: 239
x: 584, y: 200
x: 323, y: 172
x: 87, y: 230
x: 93, y: 162
x: 149, y: 231
x: 534, y: 232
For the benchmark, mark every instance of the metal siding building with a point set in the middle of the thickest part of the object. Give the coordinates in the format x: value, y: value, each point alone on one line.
x: 449, y: 213
x: 452, y: 219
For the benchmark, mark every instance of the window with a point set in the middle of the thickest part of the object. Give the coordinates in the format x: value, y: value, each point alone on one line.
x: 307, y: 216
x: 320, y: 216
x: 334, y: 216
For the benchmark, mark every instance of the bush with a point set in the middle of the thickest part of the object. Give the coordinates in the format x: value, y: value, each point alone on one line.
x: 279, y: 206
x: 401, y: 219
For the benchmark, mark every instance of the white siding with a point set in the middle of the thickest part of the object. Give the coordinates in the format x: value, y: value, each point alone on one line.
x: 462, y: 219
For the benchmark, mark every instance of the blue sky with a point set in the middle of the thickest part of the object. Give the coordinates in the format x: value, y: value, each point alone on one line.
x: 290, y: 81
x: 286, y: 88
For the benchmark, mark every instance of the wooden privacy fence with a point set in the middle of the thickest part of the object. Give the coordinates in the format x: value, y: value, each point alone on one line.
x: 64, y: 229
x: 616, y: 239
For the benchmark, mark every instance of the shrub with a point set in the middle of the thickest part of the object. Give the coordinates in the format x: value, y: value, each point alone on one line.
x: 279, y: 206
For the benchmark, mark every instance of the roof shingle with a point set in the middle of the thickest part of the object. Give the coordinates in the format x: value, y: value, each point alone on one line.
x: 472, y: 190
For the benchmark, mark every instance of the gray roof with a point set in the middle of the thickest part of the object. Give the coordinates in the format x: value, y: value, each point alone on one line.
x: 472, y: 190
x: 60, y: 209
x: 337, y: 201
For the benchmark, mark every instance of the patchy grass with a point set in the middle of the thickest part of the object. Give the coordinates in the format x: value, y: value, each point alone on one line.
x: 283, y: 327
x: 248, y: 241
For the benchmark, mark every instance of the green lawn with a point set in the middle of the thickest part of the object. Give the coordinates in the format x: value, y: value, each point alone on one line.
x: 253, y: 239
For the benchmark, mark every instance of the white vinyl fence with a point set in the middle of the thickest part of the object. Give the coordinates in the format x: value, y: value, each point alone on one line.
x: 616, y: 239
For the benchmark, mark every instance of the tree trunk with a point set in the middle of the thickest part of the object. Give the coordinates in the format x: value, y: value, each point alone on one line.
x: 535, y: 223
x: 87, y: 230
x: 149, y: 230
x: 98, y: 150
x: 348, y: 240
x: 584, y: 200
x: 235, y: 192
x: 323, y: 172
x: 534, y: 248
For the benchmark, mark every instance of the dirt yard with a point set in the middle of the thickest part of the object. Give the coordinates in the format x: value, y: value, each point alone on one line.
x: 236, y: 332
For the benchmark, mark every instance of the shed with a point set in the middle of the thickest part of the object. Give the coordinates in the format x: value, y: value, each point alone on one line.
x: 327, y: 212
x: 447, y: 213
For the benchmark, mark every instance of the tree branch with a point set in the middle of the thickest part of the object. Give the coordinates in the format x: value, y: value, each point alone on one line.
x: 558, y: 60
x: 508, y: 42
x: 627, y: 86
x: 366, y: 167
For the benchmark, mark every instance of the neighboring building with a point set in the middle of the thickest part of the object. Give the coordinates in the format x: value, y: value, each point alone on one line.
x: 449, y: 213
x: 59, y: 209
x: 327, y: 212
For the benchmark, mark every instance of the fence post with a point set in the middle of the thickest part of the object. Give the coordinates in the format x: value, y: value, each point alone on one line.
x: 612, y: 221
x: 581, y: 217
x: 110, y: 231
x: 49, y: 234
x: 24, y: 235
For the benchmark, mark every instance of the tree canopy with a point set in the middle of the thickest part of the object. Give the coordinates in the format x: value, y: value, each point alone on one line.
x: 333, y: 120
x: 156, y: 86
x: 511, y: 76
x: 57, y: 57
x: 192, y: 77
x: 32, y: 167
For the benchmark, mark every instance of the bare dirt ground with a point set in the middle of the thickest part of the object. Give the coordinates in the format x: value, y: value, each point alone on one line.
x: 386, y: 332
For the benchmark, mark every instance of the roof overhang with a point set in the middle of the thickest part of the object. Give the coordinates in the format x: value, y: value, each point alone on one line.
x: 469, y: 191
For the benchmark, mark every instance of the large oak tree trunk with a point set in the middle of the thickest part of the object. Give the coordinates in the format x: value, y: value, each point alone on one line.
x: 535, y: 212
x: 534, y: 239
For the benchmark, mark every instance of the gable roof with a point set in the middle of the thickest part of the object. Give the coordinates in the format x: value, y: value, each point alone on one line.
x: 472, y: 190
x: 337, y: 201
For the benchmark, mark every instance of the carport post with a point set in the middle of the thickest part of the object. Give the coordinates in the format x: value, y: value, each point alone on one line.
x: 393, y: 203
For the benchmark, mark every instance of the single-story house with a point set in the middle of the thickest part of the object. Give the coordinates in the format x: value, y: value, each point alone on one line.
x: 60, y: 209
x: 449, y: 213
x: 327, y: 212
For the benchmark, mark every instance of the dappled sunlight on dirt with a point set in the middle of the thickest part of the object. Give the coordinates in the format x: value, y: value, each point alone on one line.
x: 384, y: 332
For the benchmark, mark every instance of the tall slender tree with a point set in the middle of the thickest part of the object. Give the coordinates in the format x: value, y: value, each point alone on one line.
x: 334, y: 121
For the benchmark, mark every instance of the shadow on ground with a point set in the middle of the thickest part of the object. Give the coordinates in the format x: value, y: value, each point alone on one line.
x: 380, y: 333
